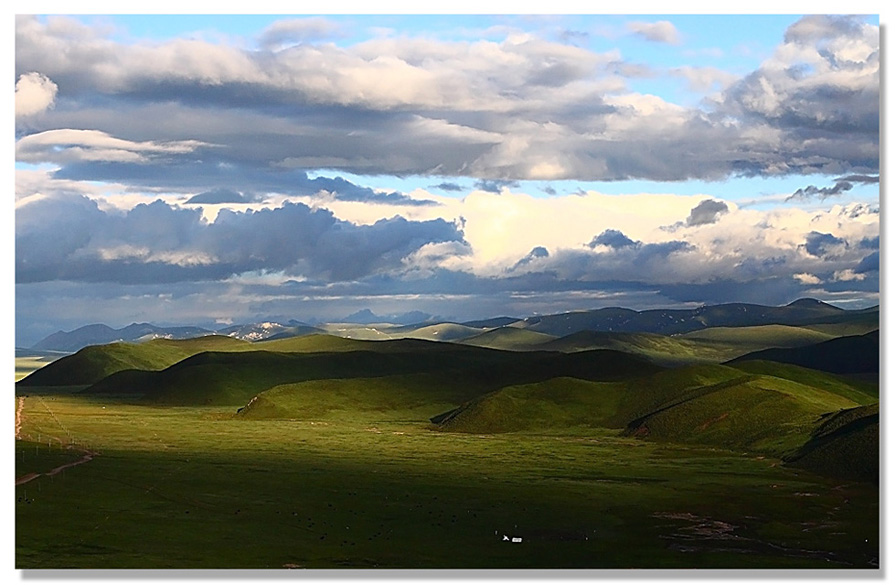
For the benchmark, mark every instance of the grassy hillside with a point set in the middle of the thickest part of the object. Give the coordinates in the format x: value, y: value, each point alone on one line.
x: 234, y: 378
x: 762, y: 408
x: 555, y: 404
x: 439, y: 332
x: 365, y: 332
x: 316, y: 342
x: 859, y: 324
x: 760, y: 336
x: 642, y: 394
x: 846, y: 444
x: 661, y: 349
x: 842, y: 355
x: 754, y: 413
x: 93, y: 363
x: 510, y: 338
x: 386, y: 398
x: 857, y: 391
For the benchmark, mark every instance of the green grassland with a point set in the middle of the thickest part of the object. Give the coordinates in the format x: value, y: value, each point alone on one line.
x: 323, y: 452
x: 510, y: 338
x: 761, y: 336
x: 203, y: 488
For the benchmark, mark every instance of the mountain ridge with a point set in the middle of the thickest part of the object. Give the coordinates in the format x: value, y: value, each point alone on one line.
x: 609, y: 319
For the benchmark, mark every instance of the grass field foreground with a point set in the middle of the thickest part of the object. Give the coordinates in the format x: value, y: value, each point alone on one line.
x: 199, y: 487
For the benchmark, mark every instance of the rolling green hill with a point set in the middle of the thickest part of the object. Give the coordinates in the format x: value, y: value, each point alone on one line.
x: 661, y: 349
x: 755, y: 413
x: 439, y: 332
x: 713, y: 405
x: 642, y: 393
x: 558, y: 403
x: 510, y: 338
x: 846, y: 444
x: 398, y: 397
x: 859, y: 324
x: 234, y: 378
x: 842, y: 355
x: 93, y: 363
x: 315, y: 342
x: 857, y: 391
x: 760, y: 336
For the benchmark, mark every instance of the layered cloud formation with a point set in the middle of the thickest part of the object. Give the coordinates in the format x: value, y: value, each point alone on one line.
x: 520, y: 108
x: 218, y: 170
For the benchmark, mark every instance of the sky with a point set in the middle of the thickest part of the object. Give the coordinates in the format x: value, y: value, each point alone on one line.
x: 213, y: 170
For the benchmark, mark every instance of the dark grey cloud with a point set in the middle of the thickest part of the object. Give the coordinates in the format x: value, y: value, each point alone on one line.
x: 70, y: 238
x: 823, y: 192
x: 870, y: 243
x: 648, y: 252
x: 863, y: 179
x: 184, y: 175
x: 870, y: 263
x: 536, y: 253
x: 707, y: 211
x: 448, y: 186
x: 634, y: 262
x: 822, y: 245
x: 495, y: 185
x: 840, y: 186
x: 612, y: 238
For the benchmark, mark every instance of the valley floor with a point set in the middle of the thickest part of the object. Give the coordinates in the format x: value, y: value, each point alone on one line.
x: 187, y: 487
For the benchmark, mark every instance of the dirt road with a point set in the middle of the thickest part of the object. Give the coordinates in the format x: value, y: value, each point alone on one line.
x: 88, y: 455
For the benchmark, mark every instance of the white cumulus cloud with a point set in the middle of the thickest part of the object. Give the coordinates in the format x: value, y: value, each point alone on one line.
x: 35, y: 93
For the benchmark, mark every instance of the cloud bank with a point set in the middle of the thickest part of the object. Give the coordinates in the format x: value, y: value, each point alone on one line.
x: 520, y: 108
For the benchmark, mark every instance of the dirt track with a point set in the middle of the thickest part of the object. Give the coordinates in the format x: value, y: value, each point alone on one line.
x: 88, y: 455
x: 19, y: 406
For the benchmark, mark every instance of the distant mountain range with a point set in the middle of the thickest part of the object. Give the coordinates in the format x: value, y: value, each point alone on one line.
x: 366, y: 325
x: 98, y: 334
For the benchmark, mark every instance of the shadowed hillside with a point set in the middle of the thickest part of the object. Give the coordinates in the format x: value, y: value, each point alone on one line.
x: 673, y: 321
x: 843, y: 355
x: 233, y: 378
x: 93, y: 363
x: 846, y: 444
